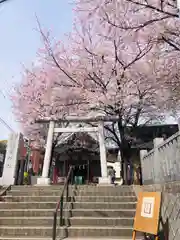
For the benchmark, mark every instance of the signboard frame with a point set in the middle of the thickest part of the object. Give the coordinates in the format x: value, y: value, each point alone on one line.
x: 148, y: 212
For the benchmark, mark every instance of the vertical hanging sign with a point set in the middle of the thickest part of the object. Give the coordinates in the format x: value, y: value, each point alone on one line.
x: 11, y: 159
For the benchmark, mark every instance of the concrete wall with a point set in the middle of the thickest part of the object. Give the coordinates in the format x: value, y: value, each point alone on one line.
x: 170, y: 210
x: 162, y: 164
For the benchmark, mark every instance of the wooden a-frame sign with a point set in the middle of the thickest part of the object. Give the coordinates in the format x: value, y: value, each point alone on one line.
x: 147, y: 213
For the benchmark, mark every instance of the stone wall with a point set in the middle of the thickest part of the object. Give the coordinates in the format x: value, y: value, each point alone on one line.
x: 170, y: 210
x: 162, y: 164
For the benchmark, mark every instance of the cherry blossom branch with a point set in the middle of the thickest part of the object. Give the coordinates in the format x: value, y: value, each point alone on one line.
x: 52, y: 55
x: 136, y: 27
x: 150, y: 6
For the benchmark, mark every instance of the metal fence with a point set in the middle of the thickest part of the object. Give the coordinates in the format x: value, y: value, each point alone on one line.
x: 162, y: 164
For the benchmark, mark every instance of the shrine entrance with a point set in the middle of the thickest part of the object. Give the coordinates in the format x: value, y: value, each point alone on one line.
x: 81, y: 151
x: 80, y: 174
x: 53, y: 128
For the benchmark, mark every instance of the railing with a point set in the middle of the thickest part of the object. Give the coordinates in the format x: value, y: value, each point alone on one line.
x: 60, y: 203
x: 162, y: 164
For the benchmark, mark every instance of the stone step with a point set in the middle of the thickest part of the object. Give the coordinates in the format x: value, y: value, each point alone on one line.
x: 71, y: 192
x: 103, y: 213
x: 104, y: 198
x: 79, y: 238
x: 30, y: 231
x: 36, y: 187
x: 104, y: 205
x: 24, y: 238
x: 36, y: 193
x: 101, y: 221
x: 74, y: 221
x: 78, y: 187
x: 91, y: 231
x: 106, y: 193
x: 101, y: 238
x: 10, y: 198
x: 75, y: 232
x: 75, y: 205
x: 85, y: 192
x: 53, y: 199
x: 73, y: 213
x: 27, y: 205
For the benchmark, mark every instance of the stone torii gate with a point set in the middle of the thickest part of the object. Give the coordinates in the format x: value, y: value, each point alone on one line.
x: 104, y: 179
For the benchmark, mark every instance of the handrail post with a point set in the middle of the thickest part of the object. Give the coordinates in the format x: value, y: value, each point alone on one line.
x: 61, y: 211
x: 72, y: 176
x: 67, y: 191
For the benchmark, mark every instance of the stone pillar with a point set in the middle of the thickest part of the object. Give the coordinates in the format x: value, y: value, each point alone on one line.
x: 179, y: 118
x: 104, y: 179
x: 144, y: 166
x: 119, y: 162
x: 157, y: 161
x: 11, y: 159
x: 44, y: 180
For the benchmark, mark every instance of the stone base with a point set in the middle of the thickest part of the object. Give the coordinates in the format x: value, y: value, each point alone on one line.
x: 43, y: 181
x: 104, y: 180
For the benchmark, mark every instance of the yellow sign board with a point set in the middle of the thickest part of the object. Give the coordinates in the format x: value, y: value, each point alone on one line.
x: 148, y: 212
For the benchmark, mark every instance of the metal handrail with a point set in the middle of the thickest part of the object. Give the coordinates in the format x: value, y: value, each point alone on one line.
x: 59, y: 204
x: 4, y: 191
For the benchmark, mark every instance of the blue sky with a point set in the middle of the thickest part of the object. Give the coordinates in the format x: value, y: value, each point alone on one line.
x: 19, y: 41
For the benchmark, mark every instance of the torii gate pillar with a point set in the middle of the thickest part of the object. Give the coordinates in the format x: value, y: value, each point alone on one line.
x: 104, y: 179
x: 44, y: 180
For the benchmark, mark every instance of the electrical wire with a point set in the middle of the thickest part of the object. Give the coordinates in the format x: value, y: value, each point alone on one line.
x: 6, y: 124
x: 1, y: 120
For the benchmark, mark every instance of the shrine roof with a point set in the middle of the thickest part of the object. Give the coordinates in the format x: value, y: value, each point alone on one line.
x: 142, y: 136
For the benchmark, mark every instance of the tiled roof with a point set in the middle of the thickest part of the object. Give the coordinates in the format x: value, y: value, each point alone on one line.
x: 108, y: 141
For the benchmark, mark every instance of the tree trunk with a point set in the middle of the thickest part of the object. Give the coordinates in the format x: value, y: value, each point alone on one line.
x: 50, y: 165
x: 123, y: 168
x: 124, y: 152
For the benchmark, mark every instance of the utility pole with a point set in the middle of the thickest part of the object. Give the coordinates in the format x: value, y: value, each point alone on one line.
x: 6, y: 125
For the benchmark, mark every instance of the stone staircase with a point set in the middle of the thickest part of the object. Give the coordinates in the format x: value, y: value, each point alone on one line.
x: 26, y: 212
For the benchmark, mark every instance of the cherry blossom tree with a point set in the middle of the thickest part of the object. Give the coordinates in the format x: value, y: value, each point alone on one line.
x: 157, y: 19
x: 103, y: 67
x: 33, y: 99
x: 114, y: 70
